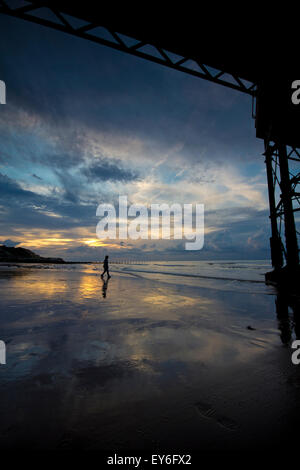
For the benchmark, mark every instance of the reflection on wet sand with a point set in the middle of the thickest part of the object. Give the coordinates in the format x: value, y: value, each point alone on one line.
x: 104, y: 287
x: 133, y: 363
x: 288, y: 323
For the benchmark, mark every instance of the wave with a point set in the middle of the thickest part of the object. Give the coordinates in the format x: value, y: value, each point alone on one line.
x: 200, y: 276
x: 167, y: 264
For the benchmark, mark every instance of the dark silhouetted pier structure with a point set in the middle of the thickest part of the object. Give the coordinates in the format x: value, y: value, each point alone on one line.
x: 128, y: 261
x: 247, y: 64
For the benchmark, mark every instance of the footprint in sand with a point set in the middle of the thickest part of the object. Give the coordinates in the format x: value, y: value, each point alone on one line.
x: 207, y: 411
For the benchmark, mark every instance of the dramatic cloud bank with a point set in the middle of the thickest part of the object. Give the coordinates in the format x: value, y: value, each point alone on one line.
x: 84, y: 123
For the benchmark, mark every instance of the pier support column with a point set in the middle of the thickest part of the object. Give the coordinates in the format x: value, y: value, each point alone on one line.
x: 292, y: 252
x: 275, y: 240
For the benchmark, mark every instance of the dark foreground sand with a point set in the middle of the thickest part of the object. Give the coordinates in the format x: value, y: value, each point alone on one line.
x: 141, y: 364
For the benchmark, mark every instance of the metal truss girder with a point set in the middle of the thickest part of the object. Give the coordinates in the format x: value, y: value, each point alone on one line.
x: 160, y: 56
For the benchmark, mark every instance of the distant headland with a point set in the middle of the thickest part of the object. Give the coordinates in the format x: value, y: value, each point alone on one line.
x: 22, y: 255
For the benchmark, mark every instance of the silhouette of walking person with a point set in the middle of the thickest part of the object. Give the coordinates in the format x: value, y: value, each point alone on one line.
x: 105, y: 267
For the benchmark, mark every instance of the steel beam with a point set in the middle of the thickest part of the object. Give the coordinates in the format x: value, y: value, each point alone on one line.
x: 292, y: 252
x: 284, y: 202
x: 115, y: 40
x: 275, y: 240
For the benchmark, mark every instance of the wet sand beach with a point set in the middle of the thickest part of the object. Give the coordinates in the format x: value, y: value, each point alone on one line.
x: 151, y: 363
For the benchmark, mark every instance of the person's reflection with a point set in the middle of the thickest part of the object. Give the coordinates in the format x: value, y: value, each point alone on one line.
x: 104, y: 287
x: 286, y: 324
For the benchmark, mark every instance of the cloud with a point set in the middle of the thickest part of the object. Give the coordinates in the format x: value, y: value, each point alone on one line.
x: 25, y: 208
x: 11, y: 190
x: 9, y: 242
x: 104, y: 170
x: 37, y: 177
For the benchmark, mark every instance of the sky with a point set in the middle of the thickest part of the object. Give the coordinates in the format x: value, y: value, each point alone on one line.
x: 84, y: 123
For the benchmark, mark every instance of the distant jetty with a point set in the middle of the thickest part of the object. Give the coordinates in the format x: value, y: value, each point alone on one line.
x: 22, y: 255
